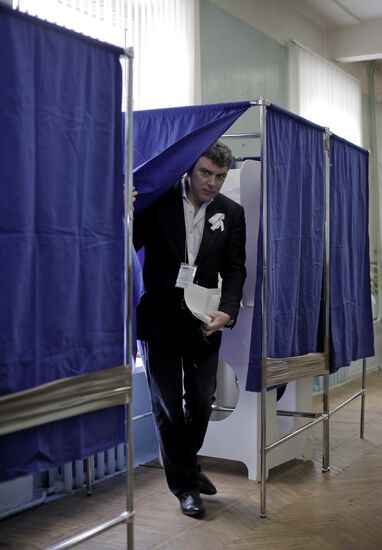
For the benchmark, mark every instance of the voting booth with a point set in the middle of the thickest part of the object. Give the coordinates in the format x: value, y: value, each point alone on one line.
x: 234, y: 429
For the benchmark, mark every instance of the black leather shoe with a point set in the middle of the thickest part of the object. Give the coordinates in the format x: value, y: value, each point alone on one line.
x: 191, y: 504
x: 206, y: 486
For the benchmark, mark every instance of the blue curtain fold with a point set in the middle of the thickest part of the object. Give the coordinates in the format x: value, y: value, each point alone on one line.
x: 350, y: 286
x: 61, y: 233
x: 253, y: 382
x: 169, y: 141
x: 295, y: 239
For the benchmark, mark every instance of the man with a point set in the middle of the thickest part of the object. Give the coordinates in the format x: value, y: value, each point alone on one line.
x: 191, y: 234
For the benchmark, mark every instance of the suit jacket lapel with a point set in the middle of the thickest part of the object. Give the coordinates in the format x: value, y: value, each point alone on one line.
x: 209, y: 237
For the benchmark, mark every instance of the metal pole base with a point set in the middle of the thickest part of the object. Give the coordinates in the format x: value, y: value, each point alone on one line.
x: 89, y: 533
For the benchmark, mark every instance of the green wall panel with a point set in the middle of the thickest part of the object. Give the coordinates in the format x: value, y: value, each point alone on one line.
x: 238, y: 62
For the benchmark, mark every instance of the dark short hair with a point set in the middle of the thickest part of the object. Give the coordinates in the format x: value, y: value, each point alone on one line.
x: 219, y: 154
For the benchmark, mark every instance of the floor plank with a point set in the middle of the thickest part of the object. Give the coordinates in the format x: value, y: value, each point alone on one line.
x: 338, y: 510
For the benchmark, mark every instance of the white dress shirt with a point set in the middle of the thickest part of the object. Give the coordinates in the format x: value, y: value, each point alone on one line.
x: 194, y: 225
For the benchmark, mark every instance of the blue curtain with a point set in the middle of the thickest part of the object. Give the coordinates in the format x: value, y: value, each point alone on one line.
x: 61, y: 234
x: 169, y: 141
x: 350, y: 288
x: 295, y: 238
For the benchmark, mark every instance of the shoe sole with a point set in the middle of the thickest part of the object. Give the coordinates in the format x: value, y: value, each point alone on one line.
x: 193, y: 513
x: 207, y: 492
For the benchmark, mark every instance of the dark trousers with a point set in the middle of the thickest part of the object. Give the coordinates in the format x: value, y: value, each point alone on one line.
x: 182, y: 383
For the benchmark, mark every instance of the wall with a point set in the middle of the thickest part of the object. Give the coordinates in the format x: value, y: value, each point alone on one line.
x: 237, y: 61
x: 278, y: 20
x: 244, y: 53
x: 377, y: 194
x: 240, y: 63
x: 281, y: 22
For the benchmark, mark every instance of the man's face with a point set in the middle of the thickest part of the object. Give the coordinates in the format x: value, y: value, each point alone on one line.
x: 206, y: 180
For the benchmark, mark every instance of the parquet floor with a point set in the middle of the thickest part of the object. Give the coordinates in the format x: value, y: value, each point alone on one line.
x: 339, y: 510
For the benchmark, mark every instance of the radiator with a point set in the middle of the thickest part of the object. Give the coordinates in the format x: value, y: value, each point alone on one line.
x: 71, y: 476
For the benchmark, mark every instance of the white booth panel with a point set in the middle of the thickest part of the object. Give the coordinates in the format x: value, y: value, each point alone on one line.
x: 236, y: 436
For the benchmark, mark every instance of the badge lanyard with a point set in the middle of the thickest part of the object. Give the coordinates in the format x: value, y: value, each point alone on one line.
x: 186, y: 272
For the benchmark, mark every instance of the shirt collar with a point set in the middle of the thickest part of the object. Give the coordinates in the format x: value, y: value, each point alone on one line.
x: 183, y: 187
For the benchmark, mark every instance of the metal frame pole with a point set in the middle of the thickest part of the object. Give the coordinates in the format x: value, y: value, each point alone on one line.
x: 325, y: 426
x: 363, y: 399
x: 128, y: 290
x: 325, y: 395
x: 263, y: 402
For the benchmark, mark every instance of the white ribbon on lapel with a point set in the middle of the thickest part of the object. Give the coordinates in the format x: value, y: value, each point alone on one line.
x: 216, y: 221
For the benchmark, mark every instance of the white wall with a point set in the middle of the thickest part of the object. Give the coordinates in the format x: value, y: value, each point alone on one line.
x: 378, y: 84
x: 282, y: 22
x: 357, y: 42
x: 278, y: 20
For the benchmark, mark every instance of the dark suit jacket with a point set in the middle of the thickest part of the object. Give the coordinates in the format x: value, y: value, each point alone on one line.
x: 161, y: 230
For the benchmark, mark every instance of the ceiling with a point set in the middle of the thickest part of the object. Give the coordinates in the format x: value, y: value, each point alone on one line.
x: 329, y: 14
x: 353, y: 27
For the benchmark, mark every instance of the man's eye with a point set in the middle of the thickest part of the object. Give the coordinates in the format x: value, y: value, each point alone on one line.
x: 205, y: 172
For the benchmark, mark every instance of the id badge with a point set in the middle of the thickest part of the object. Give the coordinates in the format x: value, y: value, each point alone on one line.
x: 186, y: 275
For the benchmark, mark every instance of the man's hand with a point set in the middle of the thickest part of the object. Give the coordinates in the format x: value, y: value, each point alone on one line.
x: 219, y: 320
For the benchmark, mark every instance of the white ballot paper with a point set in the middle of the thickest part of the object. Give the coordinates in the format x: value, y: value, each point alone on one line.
x: 201, y: 300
